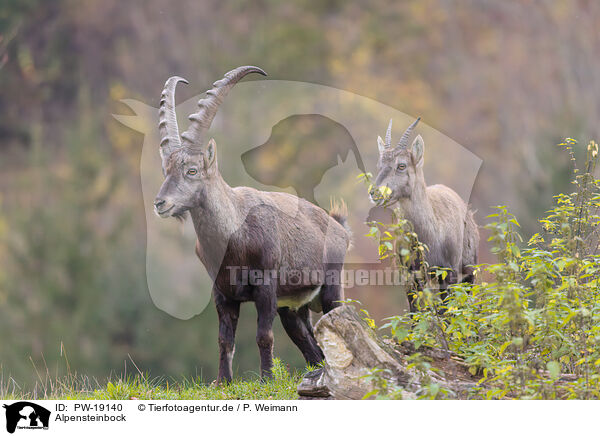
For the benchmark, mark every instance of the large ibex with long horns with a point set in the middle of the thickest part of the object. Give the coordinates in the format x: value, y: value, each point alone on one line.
x: 441, y: 219
x: 242, y: 232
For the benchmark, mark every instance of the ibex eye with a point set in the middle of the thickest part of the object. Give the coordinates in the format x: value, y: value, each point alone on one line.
x: 401, y: 166
x: 192, y: 172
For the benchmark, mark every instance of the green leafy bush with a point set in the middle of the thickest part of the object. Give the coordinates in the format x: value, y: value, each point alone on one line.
x: 530, y: 325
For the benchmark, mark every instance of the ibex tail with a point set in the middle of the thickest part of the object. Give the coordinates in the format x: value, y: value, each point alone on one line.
x: 338, y: 210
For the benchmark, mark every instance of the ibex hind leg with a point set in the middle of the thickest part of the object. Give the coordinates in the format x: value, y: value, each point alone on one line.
x: 332, y: 292
x: 297, y: 326
x: 468, y: 275
x: 468, y: 269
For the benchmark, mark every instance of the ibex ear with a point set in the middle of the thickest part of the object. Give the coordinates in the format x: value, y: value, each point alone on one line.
x: 381, y: 145
x: 417, y: 148
x: 210, y: 155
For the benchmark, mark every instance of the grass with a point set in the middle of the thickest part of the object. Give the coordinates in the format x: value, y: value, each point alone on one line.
x: 75, y: 387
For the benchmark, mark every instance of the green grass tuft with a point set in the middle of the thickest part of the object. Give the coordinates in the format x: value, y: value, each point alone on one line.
x: 281, y: 387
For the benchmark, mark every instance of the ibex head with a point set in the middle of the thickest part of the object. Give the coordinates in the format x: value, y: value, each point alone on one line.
x: 189, y: 167
x: 400, y: 168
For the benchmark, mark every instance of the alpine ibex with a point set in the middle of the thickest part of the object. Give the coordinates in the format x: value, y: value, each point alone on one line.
x: 441, y: 219
x: 241, y: 229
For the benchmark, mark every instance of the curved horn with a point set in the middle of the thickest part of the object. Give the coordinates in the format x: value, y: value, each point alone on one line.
x: 403, y: 143
x: 202, y: 119
x: 167, y: 119
x: 388, y: 135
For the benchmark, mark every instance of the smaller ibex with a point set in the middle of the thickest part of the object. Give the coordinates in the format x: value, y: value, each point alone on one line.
x: 240, y: 228
x: 441, y: 219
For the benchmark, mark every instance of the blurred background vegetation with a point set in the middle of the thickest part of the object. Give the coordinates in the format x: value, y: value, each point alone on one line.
x: 507, y: 80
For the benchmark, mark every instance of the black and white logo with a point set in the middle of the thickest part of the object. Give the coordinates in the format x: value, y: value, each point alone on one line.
x: 26, y: 415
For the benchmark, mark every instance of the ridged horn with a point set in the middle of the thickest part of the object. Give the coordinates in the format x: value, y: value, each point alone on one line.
x: 388, y: 135
x: 201, y: 120
x: 403, y: 143
x: 167, y: 120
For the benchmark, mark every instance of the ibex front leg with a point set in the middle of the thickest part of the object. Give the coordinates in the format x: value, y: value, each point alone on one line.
x: 266, y: 309
x: 228, y: 312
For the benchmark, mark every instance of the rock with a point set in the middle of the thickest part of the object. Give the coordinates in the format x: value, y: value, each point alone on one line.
x: 352, y: 350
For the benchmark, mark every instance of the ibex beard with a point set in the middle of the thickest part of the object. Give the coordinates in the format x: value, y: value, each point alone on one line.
x: 251, y: 230
x: 441, y: 219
